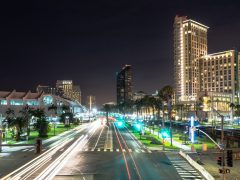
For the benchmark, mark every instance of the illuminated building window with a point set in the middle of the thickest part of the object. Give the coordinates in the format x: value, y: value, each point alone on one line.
x: 32, y: 103
x: 3, y: 102
x: 16, y: 102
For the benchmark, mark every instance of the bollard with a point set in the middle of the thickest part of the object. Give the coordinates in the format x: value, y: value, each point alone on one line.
x: 204, y: 147
x: 38, y: 146
x: 192, y: 148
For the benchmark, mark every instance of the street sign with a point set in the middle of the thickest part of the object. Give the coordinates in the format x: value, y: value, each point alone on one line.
x: 224, y: 171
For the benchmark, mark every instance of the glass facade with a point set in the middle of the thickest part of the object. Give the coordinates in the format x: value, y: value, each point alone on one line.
x: 16, y: 102
x: 3, y: 102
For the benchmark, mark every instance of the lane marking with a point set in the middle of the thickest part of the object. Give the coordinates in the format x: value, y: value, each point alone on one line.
x: 134, y: 163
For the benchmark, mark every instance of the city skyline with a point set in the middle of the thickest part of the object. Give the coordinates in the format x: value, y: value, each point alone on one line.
x: 62, y: 38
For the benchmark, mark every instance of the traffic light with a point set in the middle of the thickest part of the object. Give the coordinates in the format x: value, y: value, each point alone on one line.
x: 219, y: 161
x: 229, y: 158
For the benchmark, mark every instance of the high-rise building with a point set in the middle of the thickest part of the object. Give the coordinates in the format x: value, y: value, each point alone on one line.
x: 69, y: 90
x: 76, y: 93
x: 190, y: 42
x: 91, y: 102
x: 218, y: 72
x: 124, y: 84
x: 47, y: 90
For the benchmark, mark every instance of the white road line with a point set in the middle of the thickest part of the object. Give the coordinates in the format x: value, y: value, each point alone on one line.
x: 149, y: 151
x: 137, y: 151
x: 25, y: 150
x: 142, y: 150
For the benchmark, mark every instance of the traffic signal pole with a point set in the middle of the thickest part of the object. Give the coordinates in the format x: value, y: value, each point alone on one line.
x: 222, y: 142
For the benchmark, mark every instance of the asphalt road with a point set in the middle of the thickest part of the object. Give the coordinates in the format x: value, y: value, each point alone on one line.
x: 12, y: 158
x: 95, y: 151
x: 113, y: 153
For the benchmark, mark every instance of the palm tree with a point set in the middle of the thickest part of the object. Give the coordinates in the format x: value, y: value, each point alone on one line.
x: 232, y: 106
x: 41, y: 124
x: 167, y: 94
x: 65, y: 108
x: 26, y: 116
x: 19, y: 123
x: 158, y: 106
x: 162, y: 99
x: 198, y: 108
x: 107, y: 108
x: 138, y: 106
x: 152, y: 103
x: 10, y: 115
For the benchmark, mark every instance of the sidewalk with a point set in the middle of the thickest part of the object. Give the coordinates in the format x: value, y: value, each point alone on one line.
x: 209, y: 160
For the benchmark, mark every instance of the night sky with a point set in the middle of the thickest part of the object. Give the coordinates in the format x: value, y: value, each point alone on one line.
x: 89, y: 41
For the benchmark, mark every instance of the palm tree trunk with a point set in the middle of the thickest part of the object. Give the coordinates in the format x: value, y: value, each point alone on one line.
x: 169, y: 117
x: 163, y: 123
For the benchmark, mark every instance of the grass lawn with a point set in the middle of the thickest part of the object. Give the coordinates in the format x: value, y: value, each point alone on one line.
x: 146, y: 139
x: 60, y: 128
x: 201, y: 140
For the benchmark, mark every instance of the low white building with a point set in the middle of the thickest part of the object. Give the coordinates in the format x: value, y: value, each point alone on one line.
x: 17, y: 100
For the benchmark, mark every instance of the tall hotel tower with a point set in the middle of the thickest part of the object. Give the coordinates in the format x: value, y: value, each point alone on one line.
x: 190, y: 42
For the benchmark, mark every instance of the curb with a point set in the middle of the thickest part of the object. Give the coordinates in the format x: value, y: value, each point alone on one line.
x: 201, y: 169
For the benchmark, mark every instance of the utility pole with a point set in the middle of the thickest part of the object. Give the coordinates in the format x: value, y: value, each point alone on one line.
x: 222, y: 142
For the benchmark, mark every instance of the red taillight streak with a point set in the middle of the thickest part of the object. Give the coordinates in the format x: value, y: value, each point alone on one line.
x: 135, y: 165
x: 125, y: 160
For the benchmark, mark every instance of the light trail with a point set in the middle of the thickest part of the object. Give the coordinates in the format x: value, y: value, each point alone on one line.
x: 57, y: 165
x: 42, y: 159
x: 99, y: 137
x: 124, y: 157
x: 135, y: 165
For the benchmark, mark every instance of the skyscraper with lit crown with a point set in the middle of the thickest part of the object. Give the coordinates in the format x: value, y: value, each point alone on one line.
x: 190, y: 42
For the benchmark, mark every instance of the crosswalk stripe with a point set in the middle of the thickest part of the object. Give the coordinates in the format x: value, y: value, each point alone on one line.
x: 124, y: 150
x: 137, y: 151
x: 98, y: 149
x: 111, y: 150
x: 86, y: 149
x: 184, y: 169
x: 142, y: 150
x: 117, y: 150
x: 130, y: 150
x: 105, y: 150
x: 92, y: 149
